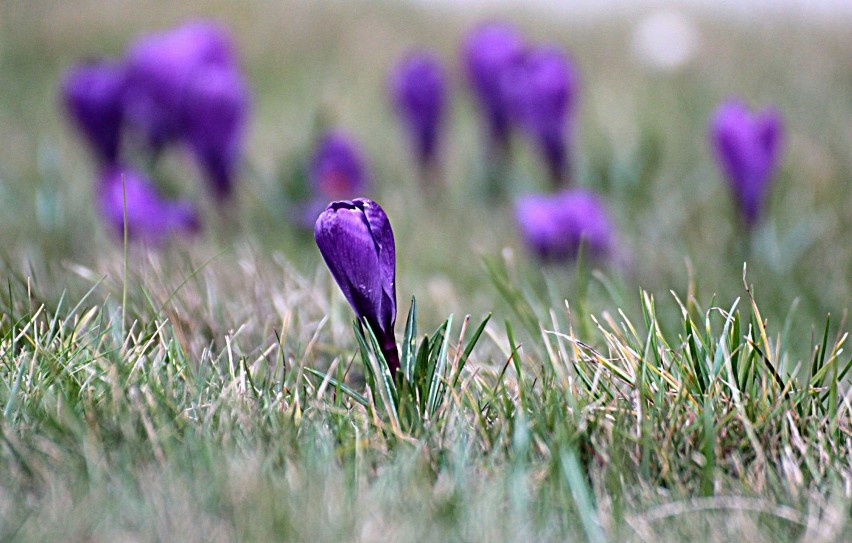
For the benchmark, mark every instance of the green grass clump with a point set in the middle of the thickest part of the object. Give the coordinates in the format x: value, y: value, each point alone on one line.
x: 131, y: 430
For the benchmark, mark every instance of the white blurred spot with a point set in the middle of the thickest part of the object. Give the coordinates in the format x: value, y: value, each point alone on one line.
x: 665, y: 40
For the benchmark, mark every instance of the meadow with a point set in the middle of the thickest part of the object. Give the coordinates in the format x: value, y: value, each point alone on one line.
x: 695, y: 387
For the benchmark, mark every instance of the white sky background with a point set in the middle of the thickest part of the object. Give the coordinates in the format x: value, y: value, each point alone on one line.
x: 736, y: 8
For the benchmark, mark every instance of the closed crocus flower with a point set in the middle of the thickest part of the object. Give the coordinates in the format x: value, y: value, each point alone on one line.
x: 338, y: 169
x: 541, y: 93
x: 418, y: 89
x: 488, y: 51
x: 356, y: 242
x: 215, y: 116
x: 93, y: 94
x: 554, y: 226
x: 149, y: 216
x: 747, y: 146
x: 161, y: 68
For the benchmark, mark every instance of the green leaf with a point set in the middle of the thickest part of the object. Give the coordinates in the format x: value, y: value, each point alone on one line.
x: 576, y: 482
x: 439, y: 365
x: 409, y: 343
x: 365, y: 354
x: 383, y: 377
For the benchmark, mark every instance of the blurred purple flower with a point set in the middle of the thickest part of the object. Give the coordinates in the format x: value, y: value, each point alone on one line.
x: 149, y: 217
x: 216, y: 111
x: 161, y: 69
x: 356, y: 242
x: 554, y: 226
x: 338, y: 170
x: 488, y: 51
x: 540, y: 92
x: 93, y: 94
x: 747, y: 146
x: 418, y: 88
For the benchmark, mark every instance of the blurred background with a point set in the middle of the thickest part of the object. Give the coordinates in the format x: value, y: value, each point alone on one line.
x: 651, y: 73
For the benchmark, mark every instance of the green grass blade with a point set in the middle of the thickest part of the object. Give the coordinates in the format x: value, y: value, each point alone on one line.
x: 349, y: 391
x: 577, y: 485
x: 469, y: 349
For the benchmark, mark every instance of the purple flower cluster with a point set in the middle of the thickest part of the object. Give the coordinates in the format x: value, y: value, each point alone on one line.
x: 540, y: 93
x: 533, y: 89
x: 337, y: 171
x: 181, y: 86
x: 528, y: 86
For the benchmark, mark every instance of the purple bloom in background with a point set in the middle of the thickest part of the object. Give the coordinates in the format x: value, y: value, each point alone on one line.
x: 338, y: 170
x: 554, y: 226
x: 93, y: 96
x: 747, y: 146
x: 215, y: 115
x: 356, y: 242
x: 541, y: 93
x: 149, y: 217
x: 161, y: 67
x: 418, y: 89
x: 488, y: 51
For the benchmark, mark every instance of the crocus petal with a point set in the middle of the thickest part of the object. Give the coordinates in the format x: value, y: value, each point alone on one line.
x: 93, y: 95
x: 214, y: 122
x: 535, y: 215
x: 771, y: 135
x: 382, y: 234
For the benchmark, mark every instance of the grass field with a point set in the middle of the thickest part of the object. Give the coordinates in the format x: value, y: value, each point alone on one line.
x: 672, y: 395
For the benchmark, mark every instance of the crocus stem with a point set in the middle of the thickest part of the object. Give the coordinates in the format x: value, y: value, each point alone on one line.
x: 391, y: 356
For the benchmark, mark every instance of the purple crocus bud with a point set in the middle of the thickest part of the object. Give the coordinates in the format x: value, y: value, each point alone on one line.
x: 217, y: 104
x: 338, y: 170
x: 747, y: 146
x: 554, y: 226
x: 418, y: 89
x: 149, y: 217
x: 356, y: 242
x: 93, y: 95
x: 488, y: 51
x: 161, y: 68
x: 541, y: 94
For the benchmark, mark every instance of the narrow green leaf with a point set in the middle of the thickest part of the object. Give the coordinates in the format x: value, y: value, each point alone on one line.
x: 469, y: 349
x: 383, y: 377
x: 577, y: 485
x: 409, y: 343
x: 437, y: 385
x: 819, y: 358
